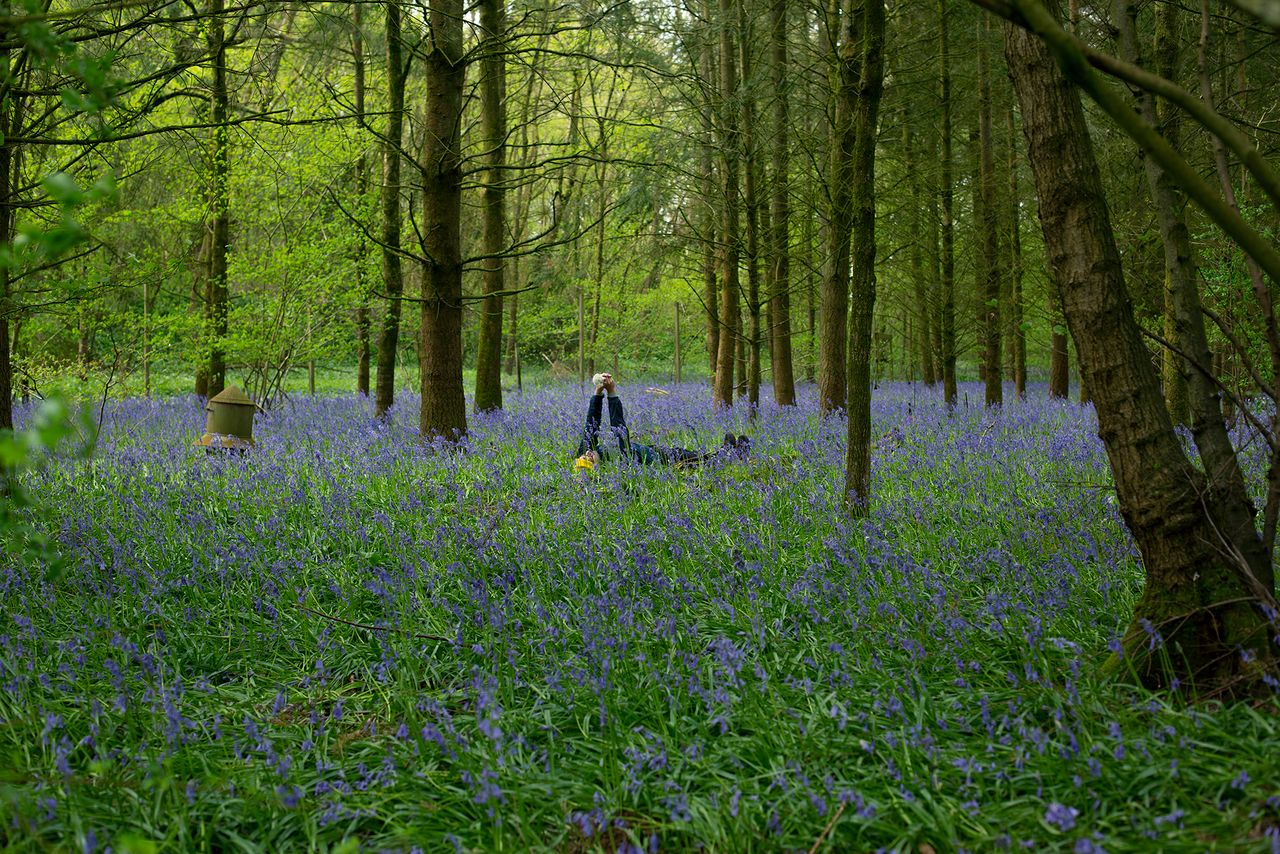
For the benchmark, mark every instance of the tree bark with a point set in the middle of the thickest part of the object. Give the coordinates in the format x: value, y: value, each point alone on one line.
x: 833, y: 348
x: 865, y: 32
x: 923, y: 308
x: 731, y: 149
x: 948, y: 316
x: 710, y: 290
x: 392, y: 273
x: 751, y: 204
x: 1196, y: 598
x: 990, y: 239
x: 784, y: 380
x: 493, y: 121
x: 444, y: 411
x: 220, y: 201
x: 362, y: 188
x: 1017, y: 334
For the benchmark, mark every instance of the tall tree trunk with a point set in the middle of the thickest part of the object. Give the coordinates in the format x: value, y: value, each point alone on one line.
x: 493, y: 122
x: 833, y: 350
x: 444, y: 409
x: 751, y: 200
x: 933, y: 258
x: 948, y: 319
x: 1196, y: 598
x: 1169, y: 205
x: 810, y: 294
x: 923, y: 308
x: 1018, y: 335
x: 731, y: 147
x: 784, y: 380
x: 707, y: 73
x: 602, y: 209
x: 524, y: 199
x: 362, y: 188
x: 220, y: 198
x: 990, y: 249
x: 392, y: 273
x: 865, y: 32
x: 7, y: 186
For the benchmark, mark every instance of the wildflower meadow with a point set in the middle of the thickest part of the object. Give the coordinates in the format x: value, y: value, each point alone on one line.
x: 349, y: 639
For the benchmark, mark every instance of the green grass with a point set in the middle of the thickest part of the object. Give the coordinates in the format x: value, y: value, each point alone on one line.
x: 714, y: 660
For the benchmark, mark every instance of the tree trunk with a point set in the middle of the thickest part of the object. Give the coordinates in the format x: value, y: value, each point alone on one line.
x: 784, y: 380
x: 751, y: 203
x: 1196, y: 613
x: 731, y: 148
x: 865, y: 32
x: 990, y: 240
x: 220, y: 201
x: 948, y: 319
x: 1018, y: 335
x: 362, y: 188
x: 493, y: 120
x: 833, y: 349
x: 923, y: 308
x: 6, y: 236
x: 392, y: 273
x: 444, y: 409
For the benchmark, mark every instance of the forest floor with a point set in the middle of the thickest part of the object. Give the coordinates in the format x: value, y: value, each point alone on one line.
x: 350, y: 640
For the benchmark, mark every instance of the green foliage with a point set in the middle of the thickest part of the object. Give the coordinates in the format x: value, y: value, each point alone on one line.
x: 23, y: 520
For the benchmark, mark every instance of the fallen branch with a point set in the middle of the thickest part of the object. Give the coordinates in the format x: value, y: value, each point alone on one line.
x: 334, y: 619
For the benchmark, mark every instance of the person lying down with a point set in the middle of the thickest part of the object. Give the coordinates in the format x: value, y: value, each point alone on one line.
x: 590, y: 454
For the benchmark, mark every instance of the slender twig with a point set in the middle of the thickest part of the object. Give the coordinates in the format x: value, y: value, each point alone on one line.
x: 332, y: 618
x: 827, y: 829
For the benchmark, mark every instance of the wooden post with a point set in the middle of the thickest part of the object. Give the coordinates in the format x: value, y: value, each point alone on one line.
x: 677, y: 366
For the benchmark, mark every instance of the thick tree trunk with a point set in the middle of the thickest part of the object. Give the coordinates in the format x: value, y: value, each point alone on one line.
x: 362, y: 187
x: 493, y: 121
x: 990, y: 240
x: 784, y: 380
x: 444, y: 409
x: 947, y: 321
x: 865, y: 32
x: 392, y: 273
x: 220, y: 201
x: 731, y: 148
x: 1196, y: 613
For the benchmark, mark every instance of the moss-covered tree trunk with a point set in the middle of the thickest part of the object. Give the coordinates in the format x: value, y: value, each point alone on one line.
x: 493, y: 121
x: 865, y: 51
x: 362, y: 188
x: 392, y: 273
x: 1199, y: 609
